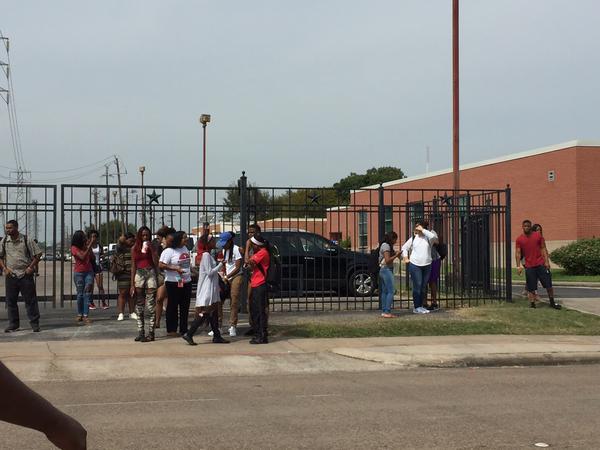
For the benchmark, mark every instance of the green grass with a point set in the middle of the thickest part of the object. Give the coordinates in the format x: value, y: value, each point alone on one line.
x: 560, y: 275
x: 505, y: 318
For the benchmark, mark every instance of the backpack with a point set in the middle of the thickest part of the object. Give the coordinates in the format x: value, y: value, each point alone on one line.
x: 117, y: 264
x: 273, y: 275
x: 373, y: 265
x: 442, y: 249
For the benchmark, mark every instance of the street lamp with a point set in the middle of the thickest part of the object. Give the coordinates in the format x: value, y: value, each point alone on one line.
x: 204, y: 120
x: 142, y: 169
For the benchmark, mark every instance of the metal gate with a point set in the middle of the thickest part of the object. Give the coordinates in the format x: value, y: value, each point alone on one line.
x: 323, y: 236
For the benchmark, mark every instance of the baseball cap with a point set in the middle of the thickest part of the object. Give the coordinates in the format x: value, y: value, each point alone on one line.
x: 223, y: 238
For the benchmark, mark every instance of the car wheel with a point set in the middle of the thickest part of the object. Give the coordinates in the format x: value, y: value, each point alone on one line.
x: 361, y: 284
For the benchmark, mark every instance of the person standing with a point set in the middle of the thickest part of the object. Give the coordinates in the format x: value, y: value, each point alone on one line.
x: 434, y: 274
x: 158, y: 245
x: 259, y: 263
x: 416, y: 252
x: 98, y: 272
x: 232, y: 257
x: 532, y: 246
x: 253, y: 230
x: 83, y: 273
x: 144, y: 265
x: 207, y: 296
x: 175, y: 261
x: 123, y: 276
x: 387, y: 255
x: 19, y: 258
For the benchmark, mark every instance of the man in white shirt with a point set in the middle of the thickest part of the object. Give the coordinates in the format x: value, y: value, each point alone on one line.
x: 416, y: 252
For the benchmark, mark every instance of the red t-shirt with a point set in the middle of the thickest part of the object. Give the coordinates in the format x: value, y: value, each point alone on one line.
x: 531, y: 249
x: 263, y: 258
x: 81, y: 265
x: 143, y: 260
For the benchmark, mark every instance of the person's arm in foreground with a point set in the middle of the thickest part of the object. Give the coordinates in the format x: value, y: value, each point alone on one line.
x: 518, y: 258
x: 20, y: 405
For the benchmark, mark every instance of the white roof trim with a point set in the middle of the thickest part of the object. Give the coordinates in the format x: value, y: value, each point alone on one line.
x: 487, y: 162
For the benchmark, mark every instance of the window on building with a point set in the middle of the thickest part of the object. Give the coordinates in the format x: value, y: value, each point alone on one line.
x: 389, y: 219
x: 415, y: 211
x: 363, y: 233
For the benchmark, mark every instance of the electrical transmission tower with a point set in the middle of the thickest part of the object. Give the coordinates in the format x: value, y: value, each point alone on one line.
x: 21, y: 174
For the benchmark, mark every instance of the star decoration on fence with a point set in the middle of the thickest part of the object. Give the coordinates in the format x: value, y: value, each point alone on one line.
x: 314, y: 198
x: 446, y: 200
x: 153, y: 197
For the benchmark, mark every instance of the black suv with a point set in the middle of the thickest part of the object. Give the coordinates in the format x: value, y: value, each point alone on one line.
x: 309, y: 262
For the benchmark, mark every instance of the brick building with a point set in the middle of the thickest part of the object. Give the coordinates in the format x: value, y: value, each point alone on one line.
x: 557, y: 186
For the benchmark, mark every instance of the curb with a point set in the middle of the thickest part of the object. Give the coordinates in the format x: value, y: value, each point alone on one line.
x: 588, y: 284
x: 472, y: 360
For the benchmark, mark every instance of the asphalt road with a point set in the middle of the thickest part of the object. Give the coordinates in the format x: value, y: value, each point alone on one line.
x: 507, y: 408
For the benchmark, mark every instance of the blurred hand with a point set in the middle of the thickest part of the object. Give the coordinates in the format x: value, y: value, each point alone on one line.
x: 520, y: 270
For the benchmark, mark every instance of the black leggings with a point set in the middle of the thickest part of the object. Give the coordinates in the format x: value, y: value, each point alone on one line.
x: 178, y: 307
x: 260, y: 303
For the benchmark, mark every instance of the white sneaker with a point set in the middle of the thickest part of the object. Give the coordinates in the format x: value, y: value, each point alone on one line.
x: 210, y: 333
x: 423, y: 310
x: 133, y: 316
x: 120, y: 317
x: 232, y: 331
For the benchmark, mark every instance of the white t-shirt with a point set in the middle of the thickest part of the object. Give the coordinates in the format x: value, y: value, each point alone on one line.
x: 177, y: 257
x: 96, y: 251
x: 419, y: 248
x: 237, y: 255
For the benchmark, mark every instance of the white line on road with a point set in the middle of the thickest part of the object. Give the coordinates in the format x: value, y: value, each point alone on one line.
x: 140, y: 402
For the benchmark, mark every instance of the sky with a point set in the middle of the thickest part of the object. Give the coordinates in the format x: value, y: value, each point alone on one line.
x: 300, y: 93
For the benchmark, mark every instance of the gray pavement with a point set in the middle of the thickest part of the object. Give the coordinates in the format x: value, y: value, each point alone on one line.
x: 507, y: 408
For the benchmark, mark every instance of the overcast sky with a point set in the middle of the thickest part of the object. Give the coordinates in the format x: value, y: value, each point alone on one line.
x: 301, y: 93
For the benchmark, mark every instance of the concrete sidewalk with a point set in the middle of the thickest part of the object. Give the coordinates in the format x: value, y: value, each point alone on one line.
x: 113, y: 359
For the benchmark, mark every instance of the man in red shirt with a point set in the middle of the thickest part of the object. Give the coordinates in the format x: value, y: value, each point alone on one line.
x: 531, y: 246
x: 259, y: 262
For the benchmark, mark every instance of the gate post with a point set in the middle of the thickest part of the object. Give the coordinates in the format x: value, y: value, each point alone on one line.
x: 242, y: 186
x: 62, y: 246
x: 54, y: 223
x: 380, y: 215
x: 508, y: 241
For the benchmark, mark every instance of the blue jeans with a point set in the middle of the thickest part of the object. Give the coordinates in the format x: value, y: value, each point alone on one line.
x: 419, y: 276
x: 386, y: 289
x: 84, y: 282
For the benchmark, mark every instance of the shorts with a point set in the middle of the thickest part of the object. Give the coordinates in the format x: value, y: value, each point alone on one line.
x: 160, y: 279
x: 533, y: 274
x: 124, y: 281
x: 434, y: 275
x: 145, y: 279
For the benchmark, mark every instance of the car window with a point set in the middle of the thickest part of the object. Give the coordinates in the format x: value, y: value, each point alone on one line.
x: 312, y: 243
x: 285, y: 244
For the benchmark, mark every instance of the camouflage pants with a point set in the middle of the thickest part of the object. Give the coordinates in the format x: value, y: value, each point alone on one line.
x: 145, y: 296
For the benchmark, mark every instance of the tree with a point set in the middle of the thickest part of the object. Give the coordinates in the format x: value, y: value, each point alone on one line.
x: 372, y: 176
x: 110, y: 231
x: 258, y: 203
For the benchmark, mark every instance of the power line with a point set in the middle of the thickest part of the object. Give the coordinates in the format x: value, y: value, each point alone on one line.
x: 74, y: 169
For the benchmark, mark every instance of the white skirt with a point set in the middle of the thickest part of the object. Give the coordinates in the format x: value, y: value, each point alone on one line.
x: 208, y: 293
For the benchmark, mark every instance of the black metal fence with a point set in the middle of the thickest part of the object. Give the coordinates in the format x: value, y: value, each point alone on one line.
x: 323, y: 235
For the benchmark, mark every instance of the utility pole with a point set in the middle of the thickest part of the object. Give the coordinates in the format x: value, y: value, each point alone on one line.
x: 107, y: 205
x: 120, y: 195
x: 95, y: 194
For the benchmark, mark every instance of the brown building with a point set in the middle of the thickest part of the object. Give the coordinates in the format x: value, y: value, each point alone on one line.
x: 557, y: 186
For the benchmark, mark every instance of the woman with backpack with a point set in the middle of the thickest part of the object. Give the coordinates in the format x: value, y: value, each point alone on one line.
x: 387, y: 255
x: 416, y: 252
x: 97, y: 266
x: 120, y: 267
x: 83, y: 273
x: 143, y: 281
x: 208, y: 293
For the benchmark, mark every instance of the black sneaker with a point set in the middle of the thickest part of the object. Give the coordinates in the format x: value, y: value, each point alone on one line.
x: 433, y: 307
x: 555, y: 305
x: 188, y: 339
x: 532, y: 305
x: 10, y: 329
x: 259, y: 341
x: 36, y: 329
x: 141, y: 338
x: 219, y: 340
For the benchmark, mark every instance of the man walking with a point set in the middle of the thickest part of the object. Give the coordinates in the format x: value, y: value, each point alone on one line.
x: 532, y: 247
x: 19, y: 257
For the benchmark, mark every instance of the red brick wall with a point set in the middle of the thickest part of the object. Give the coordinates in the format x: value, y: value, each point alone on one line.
x: 574, y: 193
x: 588, y: 193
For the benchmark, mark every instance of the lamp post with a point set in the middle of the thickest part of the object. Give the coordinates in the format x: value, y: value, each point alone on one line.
x: 142, y: 169
x: 204, y: 120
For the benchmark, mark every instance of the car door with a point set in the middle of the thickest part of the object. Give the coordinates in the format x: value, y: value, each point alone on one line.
x: 320, y: 262
x: 286, y: 246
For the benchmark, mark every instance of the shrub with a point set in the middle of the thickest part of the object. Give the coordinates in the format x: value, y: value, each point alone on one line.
x: 579, y: 258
